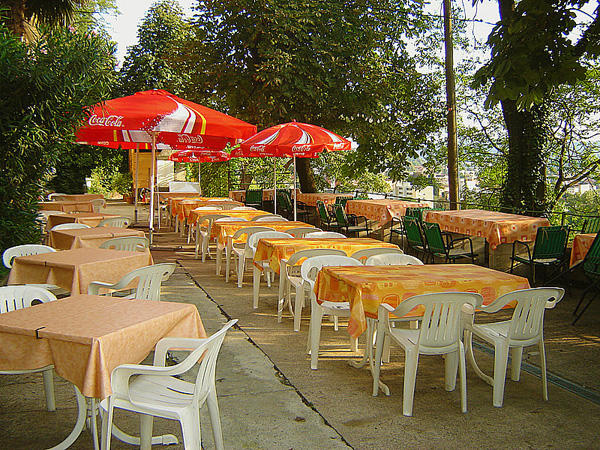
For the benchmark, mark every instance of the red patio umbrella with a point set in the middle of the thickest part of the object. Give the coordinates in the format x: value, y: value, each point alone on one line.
x: 157, y: 117
x: 293, y: 139
x: 199, y: 156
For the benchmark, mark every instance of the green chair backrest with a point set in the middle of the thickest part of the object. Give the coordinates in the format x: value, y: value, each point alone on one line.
x: 591, y: 225
x: 254, y: 196
x: 591, y: 261
x: 284, y: 201
x: 340, y: 215
x: 417, y: 213
x: 433, y: 237
x: 341, y: 201
x: 322, y: 211
x: 361, y: 196
x: 550, y: 242
x: 413, y: 231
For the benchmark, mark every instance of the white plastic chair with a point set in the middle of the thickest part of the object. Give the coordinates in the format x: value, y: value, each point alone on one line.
x: 149, y: 280
x: 365, y: 253
x: 194, y: 226
x: 439, y: 334
x: 392, y: 259
x: 250, y: 250
x: 70, y: 226
x: 525, y: 328
x: 56, y: 196
x: 325, y: 234
x: 122, y: 222
x: 228, y: 206
x: 127, y: 243
x: 158, y: 390
x: 223, y: 247
x: 234, y: 249
x: 289, y: 276
x: 203, y: 232
x: 299, y: 232
x: 98, y: 203
x: 269, y: 218
x: 309, y: 270
x: 243, y: 208
x: 19, y: 297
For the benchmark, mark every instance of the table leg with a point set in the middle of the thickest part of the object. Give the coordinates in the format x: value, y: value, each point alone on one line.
x: 79, y: 424
x: 368, y: 354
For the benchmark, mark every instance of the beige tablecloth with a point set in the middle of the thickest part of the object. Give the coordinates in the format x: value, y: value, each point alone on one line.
x: 327, y: 199
x: 88, y: 237
x: 85, y: 337
x: 66, y: 206
x: 382, y: 210
x: 87, y: 218
x: 75, y: 269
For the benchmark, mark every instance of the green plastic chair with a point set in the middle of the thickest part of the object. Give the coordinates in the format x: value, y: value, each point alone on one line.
x: 591, y: 225
x: 350, y: 222
x: 396, y: 228
x: 443, y: 246
x: 327, y: 221
x: 341, y: 201
x: 417, y: 213
x: 284, y: 201
x: 549, y: 250
x: 591, y: 269
x: 414, y: 238
x: 254, y: 198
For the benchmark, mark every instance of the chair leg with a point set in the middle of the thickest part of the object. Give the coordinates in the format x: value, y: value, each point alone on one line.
x: 378, y: 355
x: 48, y: 376
x: 543, y: 369
x: 219, y: 260
x: 241, y: 267
x: 299, y: 302
x: 516, y: 354
x: 583, y: 310
x: 451, y: 363
x: 190, y: 427
x: 146, y: 431
x: 215, y: 419
x: 500, y: 363
x: 107, y: 425
x: 255, y: 285
x: 316, y: 316
x: 463, y: 376
x: 410, y: 377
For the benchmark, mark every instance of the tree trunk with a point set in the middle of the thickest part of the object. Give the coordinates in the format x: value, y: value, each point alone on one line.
x: 525, y: 184
x: 305, y: 175
x: 16, y: 17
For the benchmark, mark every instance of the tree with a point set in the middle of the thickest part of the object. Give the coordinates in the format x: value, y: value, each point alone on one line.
x: 532, y: 55
x: 24, y: 16
x: 155, y: 62
x: 340, y: 65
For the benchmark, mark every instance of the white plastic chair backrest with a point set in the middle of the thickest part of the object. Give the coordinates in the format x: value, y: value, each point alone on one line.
x: 392, y: 259
x: 440, y: 326
x: 311, y: 266
x: 200, y: 208
x: 127, y: 243
x: 207, y: 349
x: 23, y: 250
x: 209, y: 219
x: 527, y: 321
x: 243, y: 208
x: 98, y: 203
x: 270, y: 219
x: 253, y: 239
x: 231, y: 219
x: 69, y: 226
x: 365, y: 253
x: 267, y: 217
x: 325, y: 234
x: 308, y: 253
x: 115, y: 222
x: 301, y: 231
x: 19, y: 297
x: 47, y: 213
x: 249, y: 231
x: 56, y: 196
x: 149, y: 280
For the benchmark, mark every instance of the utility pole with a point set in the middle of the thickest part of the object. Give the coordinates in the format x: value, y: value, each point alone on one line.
x: 450, y: 107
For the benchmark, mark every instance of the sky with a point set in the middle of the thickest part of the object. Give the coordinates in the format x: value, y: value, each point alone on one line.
x: 123, y: 27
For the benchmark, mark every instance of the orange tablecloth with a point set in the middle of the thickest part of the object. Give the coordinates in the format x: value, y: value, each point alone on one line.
x: 326, y: 198
x: 81, y: 197
x: 366, y: 287
x: 88, y: 237
x: 269, y: 194
x: 66, y: 206
x: 496, y: 227
x: 382, y: 210
x: 87, y: 218
x: 75, y: 269
x: 182, y: 208
x: 85, y: 337
x: 581, y: 245
x: 244, y: 214
x: 274, y: 250
x: 224, y: 229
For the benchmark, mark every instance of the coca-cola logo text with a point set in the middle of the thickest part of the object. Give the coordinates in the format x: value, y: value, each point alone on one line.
x: 301, y: 148
x: 189, y: 139
x: 258, y: 148
x: 108, y: 121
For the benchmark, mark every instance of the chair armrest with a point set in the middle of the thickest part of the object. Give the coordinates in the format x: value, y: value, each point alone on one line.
x: 95, y: 286
x: 462, y: 239
x: 120, y: 376
x: 524, y: 244
x: 172, y: 343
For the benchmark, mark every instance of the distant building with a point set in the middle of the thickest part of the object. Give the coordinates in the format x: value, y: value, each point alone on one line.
x: 581, y: 187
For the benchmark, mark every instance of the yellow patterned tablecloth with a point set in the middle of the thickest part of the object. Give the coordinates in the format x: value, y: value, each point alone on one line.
x: 274, y: 250
x: 382, y: 210
x: 366, y: 287
x: 183, y: 208
x: 327, y: 199
x: 224, y: 229
x: 581, y: 245
x: 496, y: 227
x: 195, y: 214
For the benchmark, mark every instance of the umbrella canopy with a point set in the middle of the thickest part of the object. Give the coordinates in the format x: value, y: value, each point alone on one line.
x: 293, y: 139
x: 199, y: 156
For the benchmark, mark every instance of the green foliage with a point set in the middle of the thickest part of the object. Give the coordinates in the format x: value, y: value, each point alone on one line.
x: 155, y: 62
x: 46, y: 86
x: 584, y: 204
x: 111, y: 174
x: 214, y: 178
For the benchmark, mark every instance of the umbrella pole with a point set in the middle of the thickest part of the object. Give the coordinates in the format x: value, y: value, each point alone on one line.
x: 275, y: 184
x: 199, y: 185
x: 137, y: 172
x: 294, y: 189
x: 152, y: 178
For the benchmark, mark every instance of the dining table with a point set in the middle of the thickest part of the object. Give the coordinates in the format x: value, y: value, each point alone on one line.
x: 581, y: 245
x: 67, y: 206
x: 382, y: 211
x: 238, y: 195
x: 88, y: 237
x: 311, y: 199
x: 85, y: 337
x: 87, y: 218
x: 182, y: 207
x: 498, y: 229
x: 75, y: 269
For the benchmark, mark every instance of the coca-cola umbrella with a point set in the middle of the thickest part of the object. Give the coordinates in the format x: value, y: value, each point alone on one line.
x: 199, y: 156
x: 293, y: 139
x: 157, y: 117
